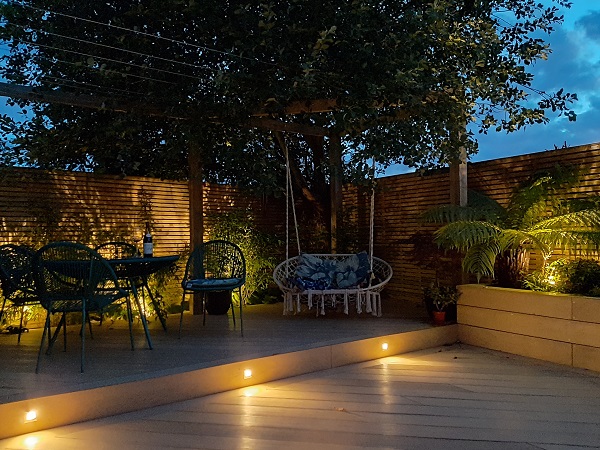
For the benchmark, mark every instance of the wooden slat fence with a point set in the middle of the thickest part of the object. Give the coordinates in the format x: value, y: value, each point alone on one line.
x: 38, y: 206
x: 402, y: 239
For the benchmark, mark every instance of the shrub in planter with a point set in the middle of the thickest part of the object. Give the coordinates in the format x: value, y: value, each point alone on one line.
x: 581, y: 277
x: 441, y: 298
x: 496, y: 239
x: 259, y: 247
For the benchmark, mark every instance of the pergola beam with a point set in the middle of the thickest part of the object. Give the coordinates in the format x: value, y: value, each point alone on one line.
x: 126, y: 106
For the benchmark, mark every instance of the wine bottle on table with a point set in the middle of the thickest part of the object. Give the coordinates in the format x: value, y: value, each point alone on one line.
x: 148, y: 247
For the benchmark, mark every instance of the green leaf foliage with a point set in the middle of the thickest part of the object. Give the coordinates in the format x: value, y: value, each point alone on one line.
x: 405, y: 78
x: 539, y: 216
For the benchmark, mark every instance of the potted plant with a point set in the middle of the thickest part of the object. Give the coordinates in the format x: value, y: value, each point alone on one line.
x: 440, y: 302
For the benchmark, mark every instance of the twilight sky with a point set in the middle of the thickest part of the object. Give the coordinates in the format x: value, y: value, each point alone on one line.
x: 574, y: 65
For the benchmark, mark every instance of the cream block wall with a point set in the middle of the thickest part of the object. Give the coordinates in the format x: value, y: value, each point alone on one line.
x: 559, y: 328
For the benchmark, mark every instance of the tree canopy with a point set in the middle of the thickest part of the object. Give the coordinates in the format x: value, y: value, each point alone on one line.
x: 399, y: 80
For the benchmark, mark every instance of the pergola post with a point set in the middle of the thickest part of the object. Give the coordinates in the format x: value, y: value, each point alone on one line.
x: 336, y: 172
x: 458, y: 180
x: 458, y: 196
x: 196, y: 209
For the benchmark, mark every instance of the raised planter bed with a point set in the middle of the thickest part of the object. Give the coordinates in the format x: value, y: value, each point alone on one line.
x: 559, y: 328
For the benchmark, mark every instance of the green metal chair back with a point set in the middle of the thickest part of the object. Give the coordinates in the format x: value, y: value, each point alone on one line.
x: 69, y: 274
x: 218, y: 260
x: 71, y: 277
x: 216, y: 265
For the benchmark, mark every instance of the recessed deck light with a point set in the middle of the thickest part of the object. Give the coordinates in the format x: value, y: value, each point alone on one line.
x: 384, y: 346
x: 31, y: 416
x: 247, y: 374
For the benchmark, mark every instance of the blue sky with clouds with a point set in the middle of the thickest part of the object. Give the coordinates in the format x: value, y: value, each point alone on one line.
x: 574, y: 65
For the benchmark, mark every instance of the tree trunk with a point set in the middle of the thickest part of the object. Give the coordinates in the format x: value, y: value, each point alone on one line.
x: 512, y: 267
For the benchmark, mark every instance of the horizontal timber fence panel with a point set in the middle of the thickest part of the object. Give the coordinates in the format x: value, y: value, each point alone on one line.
x: 404, y: 241
x: 38, y: 206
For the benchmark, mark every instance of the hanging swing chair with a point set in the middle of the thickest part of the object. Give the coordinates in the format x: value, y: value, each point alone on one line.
x: 324, y: 281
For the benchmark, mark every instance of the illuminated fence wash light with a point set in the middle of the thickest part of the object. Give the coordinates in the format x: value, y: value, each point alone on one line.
x: 31, y: 416
x: 247, y: 374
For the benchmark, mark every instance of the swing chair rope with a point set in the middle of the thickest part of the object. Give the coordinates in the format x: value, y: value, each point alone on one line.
x: 289, y: 198
x: 289, y: 195
x: 372, y: 221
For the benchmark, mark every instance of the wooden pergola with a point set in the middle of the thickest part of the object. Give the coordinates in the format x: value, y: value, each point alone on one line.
x: 261, y: 119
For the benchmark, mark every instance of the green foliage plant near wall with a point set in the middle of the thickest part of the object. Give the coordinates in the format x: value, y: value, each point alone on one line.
x: 259, y: 247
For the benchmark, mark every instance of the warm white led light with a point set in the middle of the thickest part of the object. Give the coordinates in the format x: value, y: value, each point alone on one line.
x: 384, y: 346
x: 247, y: 373
x: 30, y: 416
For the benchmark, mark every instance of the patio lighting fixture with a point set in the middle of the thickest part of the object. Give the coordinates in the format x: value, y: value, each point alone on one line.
x: 247, y: 374
x: 31, y: 416
x: 384, y: 346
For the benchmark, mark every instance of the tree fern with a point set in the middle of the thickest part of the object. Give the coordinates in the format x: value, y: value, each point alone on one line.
x: 537, y: 217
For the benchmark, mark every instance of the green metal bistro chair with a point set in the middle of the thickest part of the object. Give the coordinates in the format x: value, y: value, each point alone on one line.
x: 69, y: 278
x: 216, y: 265
x: 16, y: 279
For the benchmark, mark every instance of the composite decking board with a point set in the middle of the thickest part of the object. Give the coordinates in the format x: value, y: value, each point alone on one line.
x: 146, y: 441
x: 463, y: 394
x: 337, y: 430
x: 373, y: 433
x: 411, y: 406
x: 470, y: 381
x: 345, y: 417
x: 284, y: 414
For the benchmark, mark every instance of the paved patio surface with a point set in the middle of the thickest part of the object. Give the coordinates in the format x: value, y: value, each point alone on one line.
x: 452, y: 397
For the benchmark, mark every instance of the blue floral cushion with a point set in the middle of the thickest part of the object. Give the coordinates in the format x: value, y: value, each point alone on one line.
x: 314, y: 273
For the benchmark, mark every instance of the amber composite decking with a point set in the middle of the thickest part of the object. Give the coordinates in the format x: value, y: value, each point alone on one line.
x: 453, y: 397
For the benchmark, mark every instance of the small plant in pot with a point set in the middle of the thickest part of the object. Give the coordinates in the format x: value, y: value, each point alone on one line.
x: 440, y: 302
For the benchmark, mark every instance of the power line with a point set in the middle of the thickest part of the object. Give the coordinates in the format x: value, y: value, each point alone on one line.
x: 155, y: 36
x: 103, y: 58
x: 87, y: 85
x: 89, y: 67
x: 97, y: 89
x: 53, y: 60
x: 110, y: 47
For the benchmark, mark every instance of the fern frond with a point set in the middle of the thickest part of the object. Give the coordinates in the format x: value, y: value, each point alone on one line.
x: 464, y: 234
x: 589, y: 219
x: 512, y: 239
x: 563, y: 239
x: 449, y: 213
x: 479, y: 207
x: 480, y: 259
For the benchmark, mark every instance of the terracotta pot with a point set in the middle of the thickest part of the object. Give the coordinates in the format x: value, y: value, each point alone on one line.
x: 439, y: 317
